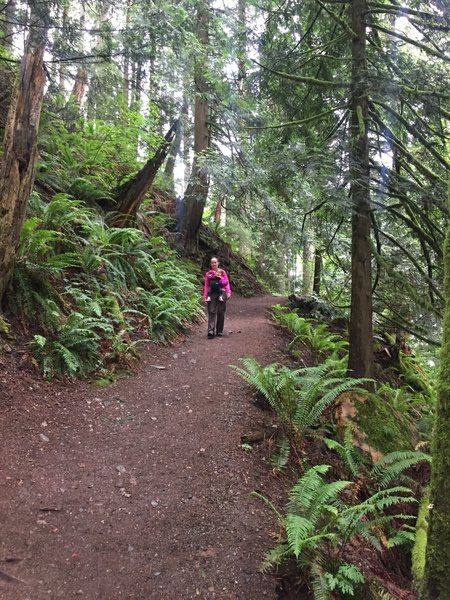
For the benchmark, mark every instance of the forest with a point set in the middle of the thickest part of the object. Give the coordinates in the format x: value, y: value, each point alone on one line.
x: 306, y: 145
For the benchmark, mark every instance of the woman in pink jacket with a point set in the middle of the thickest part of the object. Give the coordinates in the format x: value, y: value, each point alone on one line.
x: 216, y: 292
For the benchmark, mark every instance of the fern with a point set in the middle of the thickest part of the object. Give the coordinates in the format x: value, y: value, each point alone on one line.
x: 347, y: 451
x: 346, y: 578
x: 392, y: 466
x: 318, y: 517
x: 299, y: 397
x: 280, y: 458
x: 323, y: 343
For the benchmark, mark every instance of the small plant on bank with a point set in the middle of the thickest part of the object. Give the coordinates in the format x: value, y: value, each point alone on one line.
x: 315, y: 335
x: 299, y: 397
x: 320, y: 523
x: 390, y: 468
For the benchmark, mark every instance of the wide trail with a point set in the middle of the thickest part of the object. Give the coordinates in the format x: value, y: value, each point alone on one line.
x: 142, y: 490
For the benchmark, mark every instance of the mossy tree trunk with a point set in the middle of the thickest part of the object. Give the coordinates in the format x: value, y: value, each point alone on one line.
x: 309, y: 250
x: 18, y: 163
x: 437, y: 576
x: 361, y: 359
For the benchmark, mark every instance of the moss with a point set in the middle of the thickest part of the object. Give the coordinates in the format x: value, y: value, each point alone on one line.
x: 386, y: 429
x: 420, y: 543
x: 5, y: 327
x: 437, y: 581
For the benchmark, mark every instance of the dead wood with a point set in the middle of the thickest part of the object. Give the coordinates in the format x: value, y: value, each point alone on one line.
x: 18, y: 163
x: 130, y: 195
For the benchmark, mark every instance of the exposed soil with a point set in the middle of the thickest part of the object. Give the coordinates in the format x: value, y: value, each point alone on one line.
x: 141, y: 490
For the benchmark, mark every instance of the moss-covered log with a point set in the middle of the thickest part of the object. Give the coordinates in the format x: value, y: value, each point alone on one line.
x: 437, y: 579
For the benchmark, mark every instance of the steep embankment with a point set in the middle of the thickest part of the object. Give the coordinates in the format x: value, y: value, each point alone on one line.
x: 141, y: 490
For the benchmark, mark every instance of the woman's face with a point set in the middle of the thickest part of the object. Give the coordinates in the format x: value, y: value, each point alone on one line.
x: 214, y: 264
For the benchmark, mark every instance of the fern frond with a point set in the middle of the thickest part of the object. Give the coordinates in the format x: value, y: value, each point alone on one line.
x: 275, y: 557
x: 393, y: 465
x: 303, y: 492
x: 299, y: 530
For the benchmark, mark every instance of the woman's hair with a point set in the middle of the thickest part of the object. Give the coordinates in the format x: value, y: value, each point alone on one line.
x: 214, y: 258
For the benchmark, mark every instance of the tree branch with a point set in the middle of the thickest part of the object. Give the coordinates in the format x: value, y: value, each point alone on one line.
x: 312, y: 119
x: 413, y: 131
x: 409, y: 40
x: 300, y: 79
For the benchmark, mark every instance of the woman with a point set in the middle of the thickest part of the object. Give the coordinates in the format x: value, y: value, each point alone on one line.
x: 216, y: 291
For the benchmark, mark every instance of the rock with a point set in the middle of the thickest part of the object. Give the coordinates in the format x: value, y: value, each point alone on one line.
x: 44, y: 438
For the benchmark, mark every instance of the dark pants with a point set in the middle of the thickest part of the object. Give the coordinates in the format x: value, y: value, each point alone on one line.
x: 216, y: 314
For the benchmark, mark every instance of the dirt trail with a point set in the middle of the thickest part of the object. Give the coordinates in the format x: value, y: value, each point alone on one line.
x: 141, y: 491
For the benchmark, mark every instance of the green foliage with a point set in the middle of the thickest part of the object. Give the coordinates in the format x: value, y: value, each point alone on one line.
x: 93, y: 157
x: 346, y: 578
x: 347, y: 451
x: 88, y: 286
x: 299, y: 397
x: 320, y: 523
x: 392, y: 467
x: 389, y: 469
x: 76, y: 349
x: 315, y: 335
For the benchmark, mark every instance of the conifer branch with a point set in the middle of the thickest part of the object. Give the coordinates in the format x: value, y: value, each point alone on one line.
x: 389, y: 135
x: 349, y: 31
x: 409, y: 40
x: 299, y: 79
x: 405, y: 326
x: 403, y: 10
x: 312, y: 119
x: 413, y: 131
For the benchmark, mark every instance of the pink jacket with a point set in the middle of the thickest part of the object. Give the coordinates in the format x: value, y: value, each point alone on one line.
x: 223, y: 280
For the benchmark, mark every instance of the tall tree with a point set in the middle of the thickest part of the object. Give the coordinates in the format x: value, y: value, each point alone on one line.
x: 198, y: 185
x: 361, y: 358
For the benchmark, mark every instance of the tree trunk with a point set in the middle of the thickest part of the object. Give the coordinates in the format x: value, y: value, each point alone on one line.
x: 18, y: 163
x: 186, y: 135
x: 361, y: 360
x: 219, y: 212
x: 437, y: 581
x: 308, y: 266
x: 169, y: 171
x: 126, y: 60
x: 137, y: 84
x: 62, y: 69
x: 129, y: 196
x: 242, y: 46
x: 81, y: 78
x: 79, y: 86
x: 197, y: 188
x: 317, y: 273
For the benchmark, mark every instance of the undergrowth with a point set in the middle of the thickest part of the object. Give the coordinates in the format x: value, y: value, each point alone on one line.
x: 359, y: 500
x: 88, y: 291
